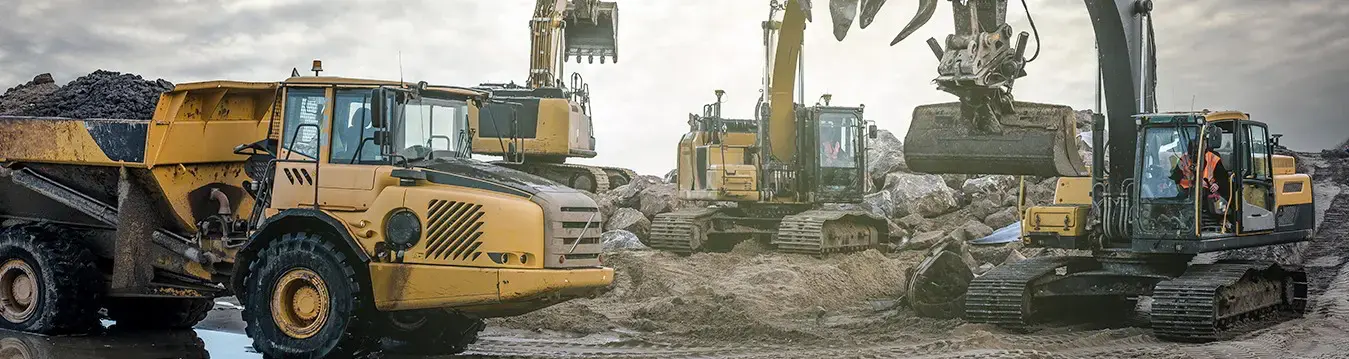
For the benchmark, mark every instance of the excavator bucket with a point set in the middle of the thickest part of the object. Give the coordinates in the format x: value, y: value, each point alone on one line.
x: 592, y: 31
x: 1038, y: 140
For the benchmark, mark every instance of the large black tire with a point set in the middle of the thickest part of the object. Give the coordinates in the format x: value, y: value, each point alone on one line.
x: 158, y: 313
x: 431, y: 332
x: 342, y: 330
x: 51, y: 270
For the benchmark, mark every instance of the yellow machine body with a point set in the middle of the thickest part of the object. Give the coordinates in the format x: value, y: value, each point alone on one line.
x: 502, y: 244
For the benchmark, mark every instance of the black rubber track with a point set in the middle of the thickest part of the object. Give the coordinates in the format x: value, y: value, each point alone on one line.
x: 348, y: 332
x: 70, y: 285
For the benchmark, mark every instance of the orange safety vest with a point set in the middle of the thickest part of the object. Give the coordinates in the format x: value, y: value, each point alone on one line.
x: 1210, y: 165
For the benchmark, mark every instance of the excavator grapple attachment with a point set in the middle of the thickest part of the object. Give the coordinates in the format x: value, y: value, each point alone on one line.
x: 1036, y: 140
x: 592, y: 31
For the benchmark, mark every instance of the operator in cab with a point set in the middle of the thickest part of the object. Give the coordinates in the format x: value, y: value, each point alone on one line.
x: 1213, y: 179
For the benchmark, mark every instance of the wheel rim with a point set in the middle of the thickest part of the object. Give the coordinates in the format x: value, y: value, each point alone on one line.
x: 300, y: 303
x: 18, y: 291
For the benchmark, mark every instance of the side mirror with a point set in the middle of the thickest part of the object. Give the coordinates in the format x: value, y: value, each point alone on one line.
x: 379, y: 109
x: 381, y: 138
x: 1274, y: 139
x: 1213, y: 137
x: 872, y: 132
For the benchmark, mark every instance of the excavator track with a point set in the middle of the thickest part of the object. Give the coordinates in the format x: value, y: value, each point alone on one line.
x: 1003, y: 295
x: 581, y: 177
x: 818, y: 232
x: 681, y: 231
x: 1220, y: 300
x: 619, y: 176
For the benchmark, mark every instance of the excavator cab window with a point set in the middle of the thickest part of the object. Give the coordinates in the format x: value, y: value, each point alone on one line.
x: 1164, y: 173
x: 840, y: 145
x: 838, y: 140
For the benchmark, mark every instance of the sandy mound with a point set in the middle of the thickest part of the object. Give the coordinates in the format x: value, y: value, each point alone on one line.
x: 747, y: 294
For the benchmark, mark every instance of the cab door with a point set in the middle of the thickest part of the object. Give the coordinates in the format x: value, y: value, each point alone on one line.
x: 302, y: 133
x: 352, y: 158
x: 1256, y: 176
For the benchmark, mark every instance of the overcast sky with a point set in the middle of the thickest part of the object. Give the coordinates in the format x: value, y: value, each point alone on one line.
x: 1285, y: 62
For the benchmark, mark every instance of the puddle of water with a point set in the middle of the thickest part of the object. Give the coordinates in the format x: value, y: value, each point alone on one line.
x: 122, y: 344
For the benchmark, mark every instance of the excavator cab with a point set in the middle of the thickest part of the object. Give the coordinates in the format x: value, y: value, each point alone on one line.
x: 835, y: 141
x: 1037, y: 140
x: 592, y: 30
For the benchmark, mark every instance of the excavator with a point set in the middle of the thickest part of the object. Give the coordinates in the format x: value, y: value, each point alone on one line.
x: 779, y: 168
x: 1163, y: 193
x: 537, y: 127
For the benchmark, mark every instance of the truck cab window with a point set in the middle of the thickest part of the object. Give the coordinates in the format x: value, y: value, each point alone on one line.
x: 304, y: 106
x: 435, y: 124
x: 352, y: 130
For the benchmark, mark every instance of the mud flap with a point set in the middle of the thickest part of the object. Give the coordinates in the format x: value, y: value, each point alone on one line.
x: 593, y: 32
x: 1039, y: 140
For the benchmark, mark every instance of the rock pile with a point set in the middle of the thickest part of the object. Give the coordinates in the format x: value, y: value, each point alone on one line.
x: 924, y: 209
x: 19, y: 98
x: 101, y: 94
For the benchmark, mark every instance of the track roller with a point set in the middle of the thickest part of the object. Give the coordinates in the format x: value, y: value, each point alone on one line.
x: 682, y: 231
x: 1216, y: 301
x: 817, y: 232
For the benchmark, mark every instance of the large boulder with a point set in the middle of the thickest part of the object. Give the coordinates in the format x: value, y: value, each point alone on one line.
x: 916, y: 223
x: 972, y: 230
x: 621, y: 240
x: 989, y: 184
x: 1002, y: 218
x: 885, y: 154
x: 657, y: 199
x: 879, y: 203
x: 630, y: 220
x: 923, y: 194
x: 925, y: 240
x: 982, y: 208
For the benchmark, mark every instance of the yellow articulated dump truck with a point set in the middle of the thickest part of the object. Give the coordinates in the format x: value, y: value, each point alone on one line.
x: 341, y: 212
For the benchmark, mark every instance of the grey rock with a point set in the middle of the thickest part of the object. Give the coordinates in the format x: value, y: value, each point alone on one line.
x: 923, y: 194
x: 621, y: 240
x: 1002, y: 218
x: 630, y: 220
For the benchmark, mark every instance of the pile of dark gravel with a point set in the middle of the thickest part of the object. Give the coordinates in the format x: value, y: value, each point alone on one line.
x: 101, y: 94
x: 14, y: 100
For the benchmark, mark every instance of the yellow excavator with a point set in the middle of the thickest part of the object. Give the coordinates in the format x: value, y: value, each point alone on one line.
x: 537, y: 127
x: 779, y: 168
x: 1162, y: 189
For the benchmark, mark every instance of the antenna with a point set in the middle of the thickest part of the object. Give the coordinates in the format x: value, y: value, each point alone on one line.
x: 400, y: 66
x: 1192, y: 103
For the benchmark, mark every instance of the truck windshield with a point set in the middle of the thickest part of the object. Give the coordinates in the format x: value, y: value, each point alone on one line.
x: 436, y: 125
x: 838, y: 140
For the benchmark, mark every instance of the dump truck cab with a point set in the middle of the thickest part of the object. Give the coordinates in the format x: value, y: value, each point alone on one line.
x: 381, y: 171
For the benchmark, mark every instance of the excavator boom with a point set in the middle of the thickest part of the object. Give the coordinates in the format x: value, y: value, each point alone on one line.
x: 567, y: 29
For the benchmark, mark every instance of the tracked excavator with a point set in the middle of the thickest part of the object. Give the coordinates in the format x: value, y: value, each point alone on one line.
x: 779, y: 168
x: 1162, y: 189
x: 537, y: 127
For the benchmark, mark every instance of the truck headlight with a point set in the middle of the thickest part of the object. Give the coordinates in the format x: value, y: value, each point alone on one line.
x: 402, y: 230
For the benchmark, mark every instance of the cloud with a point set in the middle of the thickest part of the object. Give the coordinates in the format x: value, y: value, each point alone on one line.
x: 1286, y: 70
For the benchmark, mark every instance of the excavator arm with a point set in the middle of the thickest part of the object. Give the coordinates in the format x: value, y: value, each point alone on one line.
x: 564, y: 29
